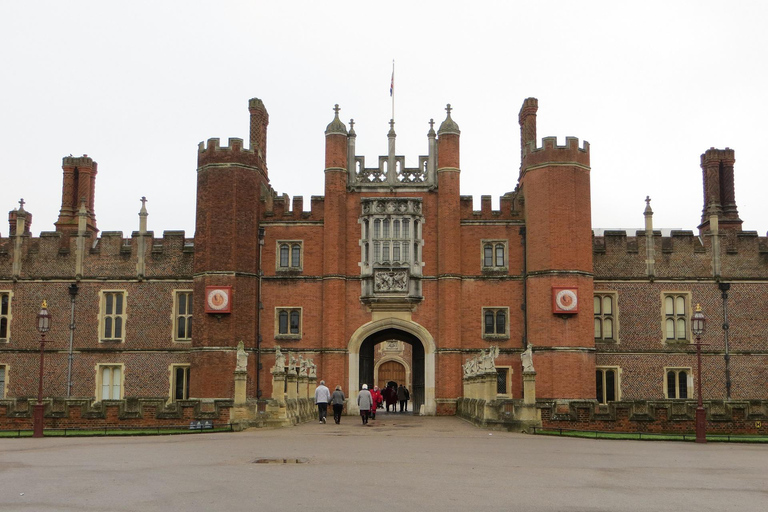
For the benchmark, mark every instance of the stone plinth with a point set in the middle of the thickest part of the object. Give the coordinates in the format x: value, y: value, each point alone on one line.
x: 529, y: 388
x: 241, y: 381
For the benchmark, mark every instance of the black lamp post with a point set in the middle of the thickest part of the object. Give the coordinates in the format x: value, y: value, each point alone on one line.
x: 258, y: 319
x: 698, y: 324
x: 43, y: 326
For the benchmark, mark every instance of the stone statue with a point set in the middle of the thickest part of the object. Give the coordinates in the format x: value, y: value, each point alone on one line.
x: 292, y: 364
x: 302, y: 366
x: 242, y: 357
x: 279, y: 361
x: 489, y: 359
x: 527, y: 359
x: 312, y: 368
x: 471, y: 367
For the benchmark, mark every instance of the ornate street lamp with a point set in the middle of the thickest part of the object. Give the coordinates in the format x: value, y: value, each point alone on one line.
x: 43, y: 326
x: 698, y: 325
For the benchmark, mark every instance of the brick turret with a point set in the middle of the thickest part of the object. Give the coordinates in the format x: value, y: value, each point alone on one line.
x: 79, y: 186
x: 554, y: 181
x: 229, y: 184
x: 719, y: 190
x: 334, y: 235
x: 448, y: 237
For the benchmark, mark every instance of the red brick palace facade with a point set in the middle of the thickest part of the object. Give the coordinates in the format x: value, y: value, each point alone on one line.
x: 393, y: 257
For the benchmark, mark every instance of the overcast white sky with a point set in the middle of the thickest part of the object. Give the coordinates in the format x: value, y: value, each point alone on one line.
x: 136, y: 86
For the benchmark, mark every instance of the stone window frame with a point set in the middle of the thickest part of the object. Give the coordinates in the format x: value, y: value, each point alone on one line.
x: 508, y: 381
x: 295, y: 250
x: 6, y: 315
x: 100, y: 367
x: 172, y: 380
x: 602, y: 317
x: 494, y: 335
x: 288, y: 335
x: 103, y: 316
x: 494, y: 245
x: 687, y: 370
x: 391, y: 212
x: 176, y: 315
x: 616, y: 383
x: 4, y: 375
x: 676, y: 316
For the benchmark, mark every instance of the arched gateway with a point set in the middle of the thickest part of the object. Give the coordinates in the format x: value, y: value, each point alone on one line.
x: 361, y: 367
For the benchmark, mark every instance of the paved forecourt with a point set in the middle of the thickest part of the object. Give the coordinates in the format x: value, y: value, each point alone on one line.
x: 397, y: 462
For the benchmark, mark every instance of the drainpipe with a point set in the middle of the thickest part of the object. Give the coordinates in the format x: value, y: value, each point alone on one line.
x: 258, y: 319
x: 724, y: 287
x: 72, y: 294
x: 524, y: 306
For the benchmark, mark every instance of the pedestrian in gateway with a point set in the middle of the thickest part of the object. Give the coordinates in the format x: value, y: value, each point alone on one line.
x: 322, y: 397
x: 337, y: 401
x: 364, y: 402
x: 403, y: 396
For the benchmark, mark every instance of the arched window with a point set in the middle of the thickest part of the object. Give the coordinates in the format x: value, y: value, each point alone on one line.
x: 489, y: 324
x: 283, y: 322
x: 501, y: 322
x: 284, y: 252
x: 488, y: 255
x: 295, y: 320
x: 499, y: 255
x: 296, y: 255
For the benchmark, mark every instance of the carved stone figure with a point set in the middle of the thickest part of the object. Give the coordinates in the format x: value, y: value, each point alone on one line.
x: 242, y: 357
x: 527, y: 359
x: 312, y: 368
x: 292, y: 364
x: 279, y: 361
x: 302, y: 366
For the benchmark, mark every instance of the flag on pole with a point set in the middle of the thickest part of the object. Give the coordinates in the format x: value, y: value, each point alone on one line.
x: 392, y: 82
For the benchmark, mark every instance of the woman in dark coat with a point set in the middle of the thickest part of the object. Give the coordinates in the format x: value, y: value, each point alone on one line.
x: 390, y: 397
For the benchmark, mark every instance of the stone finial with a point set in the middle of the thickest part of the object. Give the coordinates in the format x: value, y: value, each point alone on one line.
x: 648, y: 210
x: 449, y: 125
x: 336, y: 126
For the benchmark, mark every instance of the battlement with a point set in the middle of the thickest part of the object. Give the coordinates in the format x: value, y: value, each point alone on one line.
x: 54, y: 254
x: 681, y: 254
x: 282, y: 208
x: 234, y: 153
x: 509, y: 209
x: 550, y: 152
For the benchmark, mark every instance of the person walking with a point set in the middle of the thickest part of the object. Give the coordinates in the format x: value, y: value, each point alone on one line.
x: 402, y: 396
x: 322, y: 397
x: 364, y: 402
x: 376, y: 397
x: 337, y: 401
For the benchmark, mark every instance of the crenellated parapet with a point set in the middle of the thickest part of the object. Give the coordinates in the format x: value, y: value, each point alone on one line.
x: 509, y: 208
x: 550, y: 153
x: 214, y: 153
x: 680, y: 255
x: 54, y: 255
x: 281, y: 208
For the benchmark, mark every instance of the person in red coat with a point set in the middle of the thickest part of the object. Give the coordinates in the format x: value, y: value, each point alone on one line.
x: 377, y: 399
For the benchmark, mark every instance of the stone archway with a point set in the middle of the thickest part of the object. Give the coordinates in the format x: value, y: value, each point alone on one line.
x: 366, y: 336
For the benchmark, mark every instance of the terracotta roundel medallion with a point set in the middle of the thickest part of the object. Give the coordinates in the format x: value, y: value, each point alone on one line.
x: 217, y: 299
x: 565, y: 300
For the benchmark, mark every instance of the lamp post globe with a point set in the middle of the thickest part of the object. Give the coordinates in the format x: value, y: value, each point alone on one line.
x: 43, y: 326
